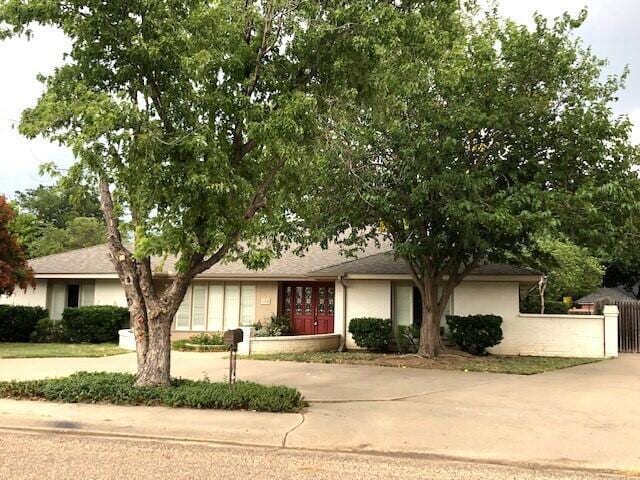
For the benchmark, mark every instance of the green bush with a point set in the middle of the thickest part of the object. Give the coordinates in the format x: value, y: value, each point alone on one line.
x: 17, y: 323
x: 119, y: 389
x: 371, y: 333
x: 475, y: 333
x: 96, y: 324
x: 202, y: 342
x: 531, y: 304
x: 278, y: 326
x: 408, y: 338
x: 48, y: 331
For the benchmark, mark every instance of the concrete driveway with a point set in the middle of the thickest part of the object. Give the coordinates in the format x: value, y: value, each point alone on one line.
x: 585, y: 416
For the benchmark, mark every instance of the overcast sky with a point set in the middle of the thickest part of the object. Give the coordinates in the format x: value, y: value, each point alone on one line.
x: 611, y: 30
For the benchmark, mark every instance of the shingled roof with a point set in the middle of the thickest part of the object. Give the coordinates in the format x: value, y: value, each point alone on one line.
x: 384, y: 263
x: 316, y: 262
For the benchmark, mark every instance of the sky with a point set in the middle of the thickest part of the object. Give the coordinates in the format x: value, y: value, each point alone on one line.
x: 611, y: 30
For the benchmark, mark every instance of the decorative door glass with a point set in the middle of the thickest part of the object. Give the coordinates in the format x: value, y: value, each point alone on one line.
x: 308, y: 299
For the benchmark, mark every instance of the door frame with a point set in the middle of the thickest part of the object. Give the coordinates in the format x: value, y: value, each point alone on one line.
x: 314, y: 301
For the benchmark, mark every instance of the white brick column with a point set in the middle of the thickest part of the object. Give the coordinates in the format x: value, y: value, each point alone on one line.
x: 610, y: 313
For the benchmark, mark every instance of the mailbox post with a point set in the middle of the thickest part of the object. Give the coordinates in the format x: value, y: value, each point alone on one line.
x: 233, y: 338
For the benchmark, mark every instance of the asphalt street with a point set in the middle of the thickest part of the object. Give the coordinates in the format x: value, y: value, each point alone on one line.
x: 61, y: 456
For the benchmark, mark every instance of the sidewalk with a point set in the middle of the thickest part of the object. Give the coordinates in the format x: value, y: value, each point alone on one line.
x: 582, y: 417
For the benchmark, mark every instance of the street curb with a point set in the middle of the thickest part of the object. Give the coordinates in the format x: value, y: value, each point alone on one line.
x: 538, y: 466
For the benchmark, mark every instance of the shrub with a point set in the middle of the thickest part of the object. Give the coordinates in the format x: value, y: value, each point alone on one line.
x: 371, y: 333
x: 48, y: 331
x: 475, y: 333
x: 202, y: 342
x: 119, y: 389
x: 531, y: 304
x: 17, y: 323
x: 95, y: 324
x: 278, y: 326
x: 408, y: 338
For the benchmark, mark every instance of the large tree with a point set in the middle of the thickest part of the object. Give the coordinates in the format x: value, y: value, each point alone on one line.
x: 14, y: 269
x: 466, y: 144
x: 196, y: 120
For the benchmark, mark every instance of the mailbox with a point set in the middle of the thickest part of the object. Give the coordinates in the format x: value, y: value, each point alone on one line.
x: 233, y: 337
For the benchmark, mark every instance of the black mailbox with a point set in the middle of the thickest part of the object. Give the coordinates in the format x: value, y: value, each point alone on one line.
x: 233, y: 337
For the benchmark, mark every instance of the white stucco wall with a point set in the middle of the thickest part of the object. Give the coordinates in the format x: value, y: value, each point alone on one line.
x: 498, y: 298
x: 531, y: 334
x: 366, y: 298
x: 554, y: 336
x: 110, y: 292
x: 32, y: 297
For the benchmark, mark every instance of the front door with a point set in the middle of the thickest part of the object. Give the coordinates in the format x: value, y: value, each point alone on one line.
x: 310, y: 307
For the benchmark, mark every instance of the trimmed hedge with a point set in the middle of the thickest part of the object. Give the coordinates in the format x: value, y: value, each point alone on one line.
x: 371, y: 333
x: 475, y: 333
x: 119, y: 389
x: 48, y: 331
x: 17, y: 323
x: 95, y: 324
x: 201, y: 342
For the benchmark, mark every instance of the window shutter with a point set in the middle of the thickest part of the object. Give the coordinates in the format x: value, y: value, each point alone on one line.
x: 182, y: 315
x: 198, y: 307
x: 215, y: 308
x: 248, y: 306
x: 231, y: 306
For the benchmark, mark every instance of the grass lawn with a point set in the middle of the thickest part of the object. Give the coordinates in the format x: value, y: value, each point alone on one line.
x: 120, y: 389
x: 43, y: 350
x: 490, y: 363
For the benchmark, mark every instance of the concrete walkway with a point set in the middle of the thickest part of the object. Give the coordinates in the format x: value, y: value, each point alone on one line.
x: 582, y: 417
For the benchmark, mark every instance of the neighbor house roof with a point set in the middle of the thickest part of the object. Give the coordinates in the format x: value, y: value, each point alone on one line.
x: 315, y: 262
x: 616, y: 294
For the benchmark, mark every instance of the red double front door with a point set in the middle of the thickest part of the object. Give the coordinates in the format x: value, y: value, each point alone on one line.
x: 310, y: 306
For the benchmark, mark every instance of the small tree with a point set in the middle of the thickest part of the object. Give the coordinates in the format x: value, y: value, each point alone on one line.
x: 468, y: 141
x: 196, y: 119
x: 14, y: 269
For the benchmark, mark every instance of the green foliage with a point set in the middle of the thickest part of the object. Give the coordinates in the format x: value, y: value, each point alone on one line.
x: 371, y: 333
x: 58, y: 205
x: 408, y: 338
x: 95, y: 324
x: 531, y: 304
x: 278, y: 326
x: 48, y: 331
x: 79, y: 233
x: 53, y: 219
x: 202, y: 342
x: 119, y: 389
x: 475, y: 333
x: 17, y: 323
x: 571, y: 270
x: 474, y: 134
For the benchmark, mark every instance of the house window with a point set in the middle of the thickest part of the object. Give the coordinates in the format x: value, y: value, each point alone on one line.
x: 73, y: 295
x: 216, y: 306
x: 407, y: 306
x: 70, y: 295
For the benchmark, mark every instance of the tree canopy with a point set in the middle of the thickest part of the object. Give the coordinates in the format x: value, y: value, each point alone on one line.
x: 197, y: 119
x: 57, y: 218
x: 14, y: 269
x: 469, y: 143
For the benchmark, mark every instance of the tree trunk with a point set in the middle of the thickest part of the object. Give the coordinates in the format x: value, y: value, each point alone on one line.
x: 154, y: 362
x: 430, y: 341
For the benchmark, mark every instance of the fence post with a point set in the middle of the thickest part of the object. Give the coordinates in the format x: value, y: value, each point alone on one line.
x: 610, y: 313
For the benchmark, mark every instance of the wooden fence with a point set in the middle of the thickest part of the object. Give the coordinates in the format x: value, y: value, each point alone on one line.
x: 629, y: 327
